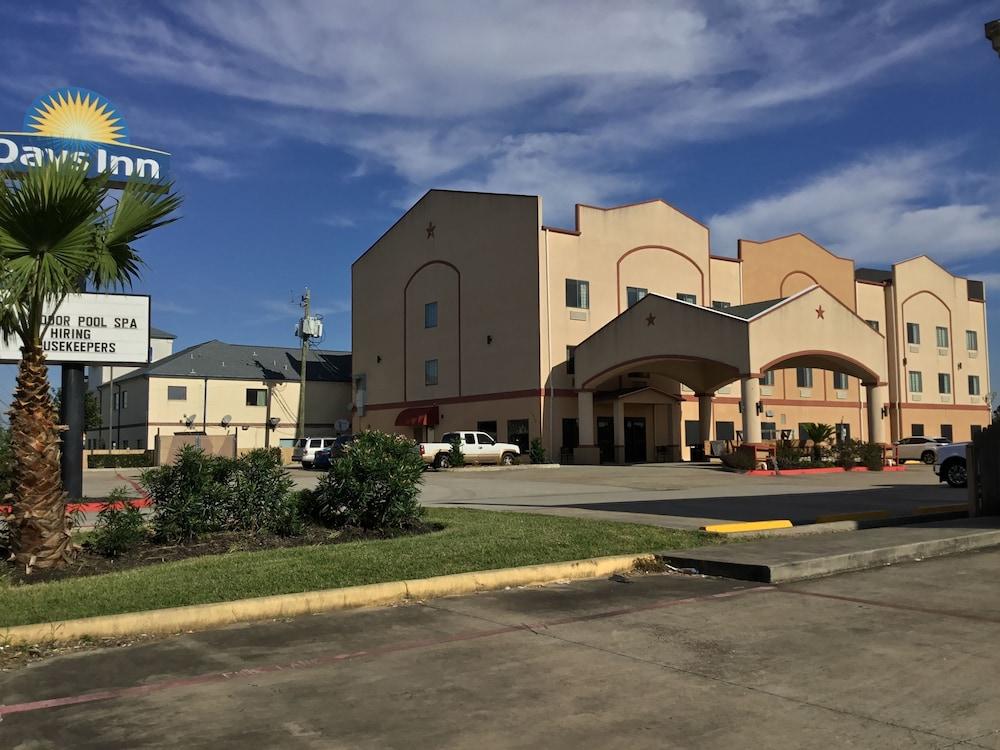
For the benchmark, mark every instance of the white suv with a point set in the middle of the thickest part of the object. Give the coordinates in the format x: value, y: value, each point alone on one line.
x: 305, y: 449
x: 919, y: 448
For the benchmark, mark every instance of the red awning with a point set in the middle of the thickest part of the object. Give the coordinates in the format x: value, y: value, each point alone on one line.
x: 420, y: 416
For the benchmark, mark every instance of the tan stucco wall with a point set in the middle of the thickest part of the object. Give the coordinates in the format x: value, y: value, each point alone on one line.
x: 786, y: 265
x: 725, y: 285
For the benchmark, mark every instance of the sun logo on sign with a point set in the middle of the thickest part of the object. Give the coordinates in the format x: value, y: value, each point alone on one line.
x: 76, y: 115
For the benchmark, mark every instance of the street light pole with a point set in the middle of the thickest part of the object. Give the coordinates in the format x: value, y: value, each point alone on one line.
x: 300, y: 422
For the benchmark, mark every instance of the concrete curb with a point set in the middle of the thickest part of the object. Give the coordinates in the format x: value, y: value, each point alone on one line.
x: 206, y: 616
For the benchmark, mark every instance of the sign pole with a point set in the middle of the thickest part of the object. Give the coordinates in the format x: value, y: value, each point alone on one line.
x: 72, y: 416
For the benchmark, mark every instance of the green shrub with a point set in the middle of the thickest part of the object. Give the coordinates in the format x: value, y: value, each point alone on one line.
x: 455, y: 456
x: 742, y: 460
x: 870, y: 456
x: 846, y: 454
x: 536, y: 451
x: 120, y: 460
x: 119, y: 527
x: 373, y: 486
x: 189, y: 497
x: 258, y: 493
x: 788, y: 455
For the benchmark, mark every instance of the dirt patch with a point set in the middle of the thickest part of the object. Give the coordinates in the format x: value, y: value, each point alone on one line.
x: 89, y: 563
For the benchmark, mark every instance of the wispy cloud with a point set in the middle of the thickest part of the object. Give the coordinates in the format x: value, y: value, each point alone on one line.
x: 161, y: 305
x: 212, y: 167
x: 338, y: 221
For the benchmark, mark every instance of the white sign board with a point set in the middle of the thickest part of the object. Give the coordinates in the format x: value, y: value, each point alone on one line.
x: 93, y: 329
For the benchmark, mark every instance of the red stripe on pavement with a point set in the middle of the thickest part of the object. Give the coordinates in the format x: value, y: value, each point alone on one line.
x: 324, y: 661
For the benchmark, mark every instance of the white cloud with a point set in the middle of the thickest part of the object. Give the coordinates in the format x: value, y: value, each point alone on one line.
x: 212, y: 167
x: 338, y: 221
x: 879, y: 209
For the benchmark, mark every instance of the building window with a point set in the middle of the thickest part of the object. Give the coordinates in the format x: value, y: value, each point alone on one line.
x: 973, y: 385
x: 687, y: 298
x: 114, y: 401
x: 177, y: 393
x: 570, y: 433
x: 873, y: 324
x: 692, y: 432
x: 947, y: 433
x: 972, y: 341
x: 577, y: 293
x: 361, y: 394
x: 944, y: 382
x: 942, y: 337
x: 725, y: 431
x: 517, y: 433
x: 490, y: 428
x: 430, y: 372
x: 125, y: 444
x: 431, y: 315
x: 138, y: 443
x: 975, y: 430
x: 839, y: 381
x: 768, y: 431
x: 917, y: 430
x: 804, y: 377
x: 634, y: 294
x: 916, y: 381
x: 719, y: 304
x: 256, y: 397
x: 912, y: 333
x: 570, y: 360
x: 124, y: 399
x: 767, y: 378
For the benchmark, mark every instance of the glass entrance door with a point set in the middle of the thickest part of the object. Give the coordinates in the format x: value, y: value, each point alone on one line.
x: 635, y: 439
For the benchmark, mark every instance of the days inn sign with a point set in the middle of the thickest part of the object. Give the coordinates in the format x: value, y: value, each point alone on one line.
x: 81, y: 126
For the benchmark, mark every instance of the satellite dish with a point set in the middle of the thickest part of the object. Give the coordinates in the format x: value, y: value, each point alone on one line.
x: 273, y: 422
x: 189, y: 420
x: 342, y: 425
x: 226, y: 420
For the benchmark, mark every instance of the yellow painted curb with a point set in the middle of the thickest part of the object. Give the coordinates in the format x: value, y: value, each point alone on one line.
x: 864, y: 515
x: 952, y: 508
x: 205, y: 616
x: 731, y: 528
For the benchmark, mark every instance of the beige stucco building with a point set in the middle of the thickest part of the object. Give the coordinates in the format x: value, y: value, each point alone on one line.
x: 626, y: 339
x: 219, y: 389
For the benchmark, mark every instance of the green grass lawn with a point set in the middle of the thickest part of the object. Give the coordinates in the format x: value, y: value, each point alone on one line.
x: 471, y: 540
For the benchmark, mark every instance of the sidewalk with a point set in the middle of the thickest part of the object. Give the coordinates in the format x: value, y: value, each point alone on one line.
x: 794, y: 558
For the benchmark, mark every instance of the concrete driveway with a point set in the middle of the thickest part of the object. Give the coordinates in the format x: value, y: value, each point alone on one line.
x: 899, y: 657
x: 674, y: 495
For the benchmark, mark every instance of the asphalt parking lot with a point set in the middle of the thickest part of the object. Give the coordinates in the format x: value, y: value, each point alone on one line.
x: 674, y: 495
x: 897, y: 657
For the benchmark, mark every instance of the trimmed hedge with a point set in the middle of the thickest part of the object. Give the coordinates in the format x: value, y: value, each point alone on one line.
x: 120, y: 460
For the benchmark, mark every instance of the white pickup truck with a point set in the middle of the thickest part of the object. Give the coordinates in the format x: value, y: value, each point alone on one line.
x: 477, y: 448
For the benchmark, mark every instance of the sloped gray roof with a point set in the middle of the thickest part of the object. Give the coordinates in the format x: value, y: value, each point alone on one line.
x: 159, y: 333
x: 753, y: 308
x: 878, y: 275
x: 219, y: 360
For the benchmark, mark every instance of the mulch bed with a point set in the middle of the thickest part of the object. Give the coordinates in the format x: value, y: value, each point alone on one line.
x: 89, y: 563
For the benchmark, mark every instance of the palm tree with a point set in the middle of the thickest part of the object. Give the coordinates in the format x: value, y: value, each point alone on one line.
x: 57, y: 228
x: 818, y: 433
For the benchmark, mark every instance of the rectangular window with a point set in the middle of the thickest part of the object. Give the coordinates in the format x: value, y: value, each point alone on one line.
x: 125, y: 444
x: 719, y: 304
x: 947, y: 433
x: 768, y: 378
x: 873, y: 324
x: 138, y: 443
x: 942, y: 337
x: 725, y: 431
x: 517, y: 433
x: 972, y: 341
x: 634, y: 294
x: 114, y: 401
x: 975, y: 430
x: 177, y: 393
x: 124, y: 399
x: 256, y: 397
x: 944, y: 382
x: 804, y: 377
x: 577, y: 293
x: 490, y: 428
x: 430, y: 372
x: 839, y: 381
x: 802, y: 431
x: 570, y: 360
x: 916, y: 381
x: 912, y: 333
x: 431, y: 315
x: 917, y: 430
x: 692, y: 432
x: 687, y: 298
x: 973, y: 385
x: 768, y: 431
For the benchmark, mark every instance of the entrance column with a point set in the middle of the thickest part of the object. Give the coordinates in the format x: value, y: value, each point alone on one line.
x: 704, y: 422
x: 876, y: 395
x: 618, y: 410
x: 586, y: 452
x: 750, y: 396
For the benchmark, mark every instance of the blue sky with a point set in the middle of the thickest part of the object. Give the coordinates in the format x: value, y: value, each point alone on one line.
x: 301, y: 130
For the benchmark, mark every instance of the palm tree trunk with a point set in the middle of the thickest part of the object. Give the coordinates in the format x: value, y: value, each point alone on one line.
x: 39, y: 526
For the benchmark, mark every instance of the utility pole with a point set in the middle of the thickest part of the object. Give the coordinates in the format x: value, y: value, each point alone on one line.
x: 305, y: 330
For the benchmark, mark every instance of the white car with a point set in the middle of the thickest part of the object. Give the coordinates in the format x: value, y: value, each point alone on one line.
x: 919, y: 448
x: 950, y: 465
x: 476, y: 447
x: 305, y: 449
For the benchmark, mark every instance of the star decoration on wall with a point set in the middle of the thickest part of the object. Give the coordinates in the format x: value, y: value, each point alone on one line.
x: 430, y: 229
x: 651, y: 320
x: 820, y: 312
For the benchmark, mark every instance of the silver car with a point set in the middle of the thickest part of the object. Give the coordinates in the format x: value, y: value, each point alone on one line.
x: 919, y: 448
